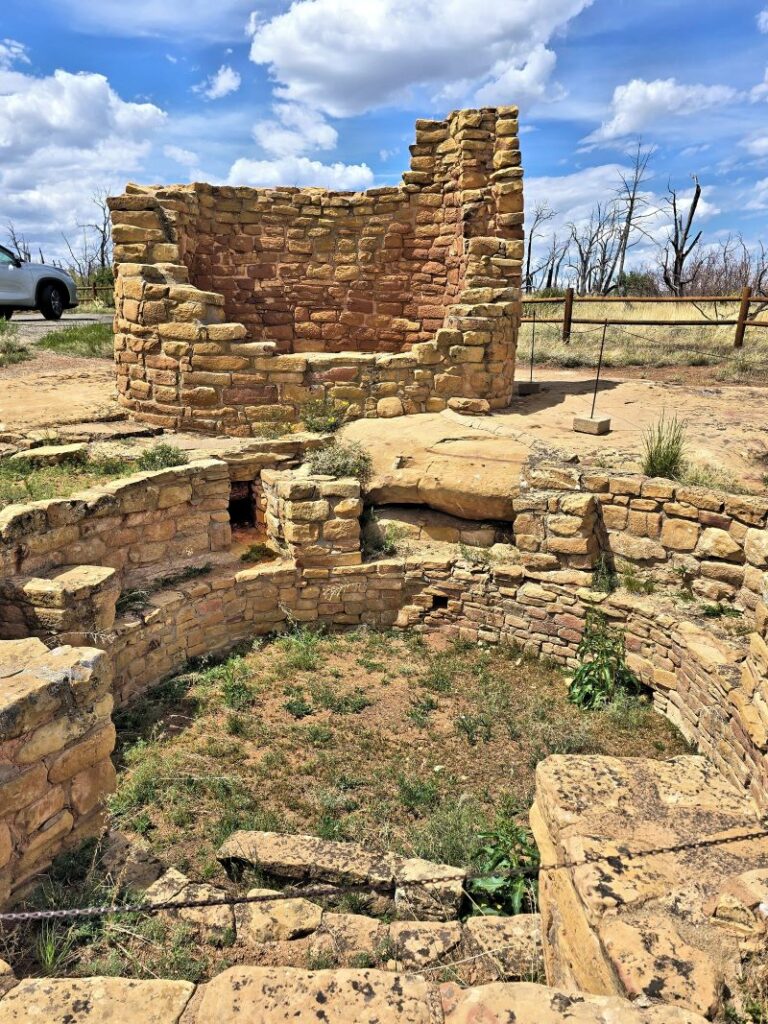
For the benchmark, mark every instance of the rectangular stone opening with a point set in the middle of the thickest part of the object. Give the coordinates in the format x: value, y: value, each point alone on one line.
x: 242, y: 505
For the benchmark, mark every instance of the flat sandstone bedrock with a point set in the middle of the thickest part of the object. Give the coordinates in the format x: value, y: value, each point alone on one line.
x: 430, y: 460
x: 279, y: 995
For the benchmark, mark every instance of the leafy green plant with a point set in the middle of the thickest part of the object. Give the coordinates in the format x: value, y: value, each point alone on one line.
x: 319, y: 735
x: 162, y: 456
x: 421, y: 709
x: 341, y: 703
x: 603, y: 671
x: 300, y: 649
x: 664, y: 448
x: 323, y: 415
x: 720, y: 611
x: 297, y: 704
x: 505, y: 868
x: 237, y: 691
x: 604, y: 578
x: 342, y: 459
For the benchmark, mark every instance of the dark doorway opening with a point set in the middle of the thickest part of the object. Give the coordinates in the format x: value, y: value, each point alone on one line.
x: 439, y: 601
x: 242, y: 507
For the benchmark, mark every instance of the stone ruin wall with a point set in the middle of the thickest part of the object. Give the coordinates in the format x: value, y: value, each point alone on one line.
x: 235, y: 306
x: 715, y: 688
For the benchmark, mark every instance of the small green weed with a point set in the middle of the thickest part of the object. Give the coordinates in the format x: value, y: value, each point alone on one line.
x: 258, y: 553
x: 340, y: 703
x: 11, y: 352
x: 633, y: 582
x: 421, y: 709
x: 323, y: 415
x: 342, y: 459
x: 297, y: 704
x: 319, y: 735
x: 162, y: 456
x: 475, y: 727
x: 418, y: 795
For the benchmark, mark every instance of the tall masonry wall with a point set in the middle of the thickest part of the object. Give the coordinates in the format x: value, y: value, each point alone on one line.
x: 235, y: 306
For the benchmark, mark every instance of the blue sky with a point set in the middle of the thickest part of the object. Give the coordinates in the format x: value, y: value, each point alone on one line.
x: 94, y: 93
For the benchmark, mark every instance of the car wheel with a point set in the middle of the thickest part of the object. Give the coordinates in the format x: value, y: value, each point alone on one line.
x: 52, y: 302
x: 6, y: 314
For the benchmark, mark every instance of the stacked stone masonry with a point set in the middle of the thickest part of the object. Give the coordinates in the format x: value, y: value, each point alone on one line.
x: 56, y: 737
x: 235, y: 306
x: 317, y: 518
x: 65, y: 561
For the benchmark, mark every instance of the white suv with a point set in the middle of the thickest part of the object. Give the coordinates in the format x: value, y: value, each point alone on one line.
x: 34, y: 286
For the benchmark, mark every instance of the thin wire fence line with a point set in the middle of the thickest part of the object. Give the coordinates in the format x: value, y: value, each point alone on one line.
x: 367, y: 888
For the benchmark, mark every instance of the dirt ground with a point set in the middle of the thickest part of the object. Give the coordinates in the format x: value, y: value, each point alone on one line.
x: 385, y: 739
x: 53, y: 389
x: 725, y: 422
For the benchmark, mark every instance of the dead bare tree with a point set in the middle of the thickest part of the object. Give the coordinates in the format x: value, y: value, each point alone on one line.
x: 635, y: 209
x: 679, y: 247
x: 541, y: 214
x: 553, y: 261
x: 17, y: 243
x: 102, y: 229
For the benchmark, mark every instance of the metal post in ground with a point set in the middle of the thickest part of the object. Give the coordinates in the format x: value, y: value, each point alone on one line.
x: 595, y: 424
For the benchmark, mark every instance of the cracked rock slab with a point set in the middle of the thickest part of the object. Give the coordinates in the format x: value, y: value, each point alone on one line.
x: 305, y: 857
x: 95, y: 1001
x: 278, y: 995
x: 277, y: 920
x: 510, y: 946
x: 420, y: 944
x: 525, y: 1003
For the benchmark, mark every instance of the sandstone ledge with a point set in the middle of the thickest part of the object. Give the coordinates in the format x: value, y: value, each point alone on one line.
x: 275, y: 995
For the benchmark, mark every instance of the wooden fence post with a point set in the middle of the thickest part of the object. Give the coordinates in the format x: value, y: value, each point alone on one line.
x: 741, y: 323
x: 567, y: 315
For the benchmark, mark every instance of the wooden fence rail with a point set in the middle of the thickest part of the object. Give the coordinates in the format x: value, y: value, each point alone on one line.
x: 741, y: 323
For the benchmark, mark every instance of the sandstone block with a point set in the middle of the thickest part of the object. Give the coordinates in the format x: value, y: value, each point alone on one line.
x: 387, y: 408
x: 85, y: 1000
x: 282, y: 994
x: 714, y: 543
x: 277, y: 920
x: 680, y: 534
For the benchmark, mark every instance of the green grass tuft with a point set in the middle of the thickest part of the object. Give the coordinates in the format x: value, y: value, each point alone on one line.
x: 664, y: 447
x: 92, y: 341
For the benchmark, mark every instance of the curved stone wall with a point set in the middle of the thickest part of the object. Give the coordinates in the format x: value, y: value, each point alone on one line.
x: 234, y: 306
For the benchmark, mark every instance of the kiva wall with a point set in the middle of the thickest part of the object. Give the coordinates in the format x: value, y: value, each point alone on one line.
x: 713, y: 686
x: 234, y: 306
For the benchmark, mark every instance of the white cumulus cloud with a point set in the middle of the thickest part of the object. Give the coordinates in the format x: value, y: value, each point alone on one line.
x: 639, y: 104
x: 295, y: 129
x: 527, y: 84
x: 185, y: 157
x: 300, y: 171
x: 223, y: 82
x: 62, y: 137
x: 344, y: 57
x: 762, y: 20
